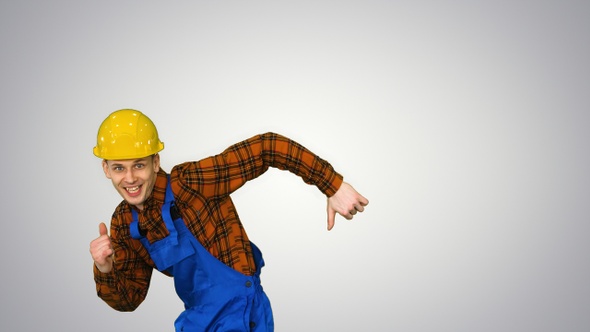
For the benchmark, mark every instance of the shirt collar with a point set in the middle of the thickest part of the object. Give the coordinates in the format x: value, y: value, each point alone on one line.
x: 158, y: 194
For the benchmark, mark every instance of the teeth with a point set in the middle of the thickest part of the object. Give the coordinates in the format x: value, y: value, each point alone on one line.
x: 132, y: 190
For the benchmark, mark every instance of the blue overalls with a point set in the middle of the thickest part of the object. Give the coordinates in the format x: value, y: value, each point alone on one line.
x: 216, y: 297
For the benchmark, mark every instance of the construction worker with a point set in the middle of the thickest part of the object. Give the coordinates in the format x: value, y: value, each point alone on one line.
x: 185, y: 225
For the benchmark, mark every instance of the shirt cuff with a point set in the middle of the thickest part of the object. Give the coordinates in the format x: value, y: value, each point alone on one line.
x: 334, y: 185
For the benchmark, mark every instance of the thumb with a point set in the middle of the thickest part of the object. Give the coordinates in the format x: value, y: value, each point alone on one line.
x: 102, y: 229
x: 331, y: 216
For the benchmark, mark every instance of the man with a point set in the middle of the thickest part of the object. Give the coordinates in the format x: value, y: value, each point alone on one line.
x: 185, y: 225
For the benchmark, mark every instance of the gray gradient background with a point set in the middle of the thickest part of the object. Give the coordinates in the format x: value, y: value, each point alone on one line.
x: 466, y: 125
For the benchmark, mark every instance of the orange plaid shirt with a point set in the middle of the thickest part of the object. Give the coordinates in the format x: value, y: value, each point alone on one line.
x: 202, y: 191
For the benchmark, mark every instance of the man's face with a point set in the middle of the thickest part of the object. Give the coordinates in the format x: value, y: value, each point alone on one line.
x: 134, y: 179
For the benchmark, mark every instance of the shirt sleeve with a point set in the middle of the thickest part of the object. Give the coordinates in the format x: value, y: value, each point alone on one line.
x: 126, y: 286
x: 222, y: 174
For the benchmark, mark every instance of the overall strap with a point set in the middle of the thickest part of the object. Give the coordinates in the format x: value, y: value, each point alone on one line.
x: 166, y: 215
x: 170, y: 250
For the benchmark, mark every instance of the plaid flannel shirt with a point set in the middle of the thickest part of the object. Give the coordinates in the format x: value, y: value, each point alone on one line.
x: 202, y: 191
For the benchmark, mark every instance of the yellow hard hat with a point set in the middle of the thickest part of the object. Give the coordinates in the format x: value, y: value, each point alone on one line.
x: 127, y: 134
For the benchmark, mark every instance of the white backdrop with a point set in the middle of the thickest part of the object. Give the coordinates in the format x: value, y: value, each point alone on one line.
x: 465, y: 124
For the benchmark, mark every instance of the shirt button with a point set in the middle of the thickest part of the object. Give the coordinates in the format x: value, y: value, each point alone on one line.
x: 252, y: 325
x: 248, y: 283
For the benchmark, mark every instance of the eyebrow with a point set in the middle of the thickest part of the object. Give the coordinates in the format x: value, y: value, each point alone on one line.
x: 141, y: 160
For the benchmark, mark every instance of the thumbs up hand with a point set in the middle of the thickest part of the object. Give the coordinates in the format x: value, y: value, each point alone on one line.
x: 102, y: 251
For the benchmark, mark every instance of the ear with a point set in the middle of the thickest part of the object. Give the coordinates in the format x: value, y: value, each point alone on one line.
x: 156, y: 163
x: 105, y: 169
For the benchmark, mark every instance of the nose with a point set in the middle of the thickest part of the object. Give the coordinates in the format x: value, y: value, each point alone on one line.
x: 130, y: 176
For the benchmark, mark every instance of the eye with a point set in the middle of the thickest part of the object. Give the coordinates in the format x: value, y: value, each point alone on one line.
x: 118, y: 168
x: 139, y: 166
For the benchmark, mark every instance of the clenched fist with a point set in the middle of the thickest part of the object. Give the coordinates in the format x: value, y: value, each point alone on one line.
x: 346, y: 202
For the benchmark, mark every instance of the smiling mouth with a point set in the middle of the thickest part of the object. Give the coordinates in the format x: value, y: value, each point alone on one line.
x: 132, y: 190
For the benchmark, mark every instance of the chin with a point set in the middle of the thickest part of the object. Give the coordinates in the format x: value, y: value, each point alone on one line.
x: 133, y: 200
